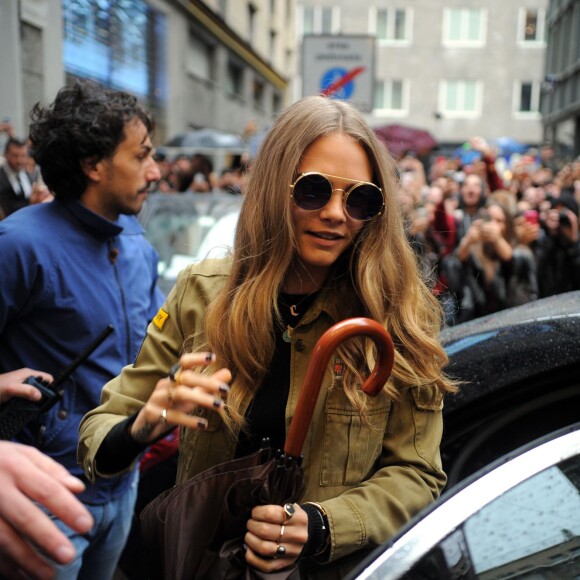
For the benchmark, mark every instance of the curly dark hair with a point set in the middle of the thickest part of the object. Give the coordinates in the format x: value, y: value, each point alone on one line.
x: 85, y: 121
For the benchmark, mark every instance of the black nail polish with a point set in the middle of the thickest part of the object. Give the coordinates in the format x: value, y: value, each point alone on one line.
x: 209, y: 357
x: 224, y: 388
x: 217, y: 403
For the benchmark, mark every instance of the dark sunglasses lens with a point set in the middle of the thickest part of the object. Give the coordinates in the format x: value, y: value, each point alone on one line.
x: 364, y: 202
x: 312, y: 192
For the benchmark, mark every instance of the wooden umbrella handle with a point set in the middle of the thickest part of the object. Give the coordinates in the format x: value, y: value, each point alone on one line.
x: 323, y: 350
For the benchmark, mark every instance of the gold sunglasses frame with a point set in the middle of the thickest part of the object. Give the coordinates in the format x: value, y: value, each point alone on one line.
x: 346, y: 193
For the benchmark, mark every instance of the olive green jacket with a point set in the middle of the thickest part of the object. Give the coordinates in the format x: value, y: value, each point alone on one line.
x: 370, y: 477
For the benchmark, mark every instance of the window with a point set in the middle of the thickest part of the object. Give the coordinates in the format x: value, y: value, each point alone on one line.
x: 318, y: 20
x: 234, y: 78
x: 460, y: 98
x: 273, y: 44
x: 527, y: 99
x: 391, y: 96
x: 258, y: 94
x: 199, y: 60
x: 390, y: 25
x: 251, y: 21
x: 531, y: 26
x: 222, y: 7
x: 113, y: 43
x: 276, y: 103
x: 462, y: 26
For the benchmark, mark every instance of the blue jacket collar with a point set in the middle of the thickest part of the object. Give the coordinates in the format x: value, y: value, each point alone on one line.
x: 95, y: 224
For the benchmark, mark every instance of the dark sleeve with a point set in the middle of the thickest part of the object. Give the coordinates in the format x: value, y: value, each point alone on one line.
x: 318, y: 532
x: 118, y: 449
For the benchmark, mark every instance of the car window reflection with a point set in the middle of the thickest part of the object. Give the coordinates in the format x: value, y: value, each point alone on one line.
x: 530, y: 532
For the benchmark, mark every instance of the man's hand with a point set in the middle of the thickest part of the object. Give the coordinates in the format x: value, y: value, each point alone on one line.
x: 12, y: 384
x: 27, y: 533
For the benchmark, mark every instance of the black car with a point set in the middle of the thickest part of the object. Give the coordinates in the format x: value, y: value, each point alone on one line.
x: 521, y: 374
x: 517, y: 518
x: 511, y: 448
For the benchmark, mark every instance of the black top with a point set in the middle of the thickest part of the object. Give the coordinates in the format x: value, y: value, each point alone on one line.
x: 265, y: 417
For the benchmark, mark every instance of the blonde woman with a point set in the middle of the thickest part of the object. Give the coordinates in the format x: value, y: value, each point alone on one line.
x: 320, y: 238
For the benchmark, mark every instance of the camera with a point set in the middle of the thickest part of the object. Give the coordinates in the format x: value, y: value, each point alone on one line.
x: 563, y: 219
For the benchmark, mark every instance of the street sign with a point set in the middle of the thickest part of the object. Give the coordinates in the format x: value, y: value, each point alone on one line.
x: 340, y: 67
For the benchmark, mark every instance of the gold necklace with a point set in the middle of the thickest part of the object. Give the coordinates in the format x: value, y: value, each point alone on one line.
x: 293, y: 308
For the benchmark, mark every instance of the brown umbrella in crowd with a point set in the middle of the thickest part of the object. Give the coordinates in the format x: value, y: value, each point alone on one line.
x: 196, y: 529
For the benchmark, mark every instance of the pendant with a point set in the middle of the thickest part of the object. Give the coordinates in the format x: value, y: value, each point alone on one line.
x: 287, y: 334
x: 293, y: 310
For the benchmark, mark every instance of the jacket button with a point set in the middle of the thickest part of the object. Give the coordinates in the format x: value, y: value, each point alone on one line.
x: 300, y: 346
x: 63, y: 414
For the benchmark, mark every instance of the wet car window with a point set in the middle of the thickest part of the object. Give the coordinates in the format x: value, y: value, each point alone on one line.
x: 532, y: 532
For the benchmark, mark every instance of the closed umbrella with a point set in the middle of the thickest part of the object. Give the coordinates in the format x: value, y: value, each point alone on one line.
x: 196, y: 529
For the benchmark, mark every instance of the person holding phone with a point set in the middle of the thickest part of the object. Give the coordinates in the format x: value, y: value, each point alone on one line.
x: 558, y: 250
x: 494, y: 275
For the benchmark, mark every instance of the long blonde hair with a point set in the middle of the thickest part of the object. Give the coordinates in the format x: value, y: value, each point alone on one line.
x: 382, y: 275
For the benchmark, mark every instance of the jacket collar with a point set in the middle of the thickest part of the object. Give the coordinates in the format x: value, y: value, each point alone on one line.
x: 95, y: 224
x: 329, y: 303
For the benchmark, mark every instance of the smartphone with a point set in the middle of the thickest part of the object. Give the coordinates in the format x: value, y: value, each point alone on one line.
x: 531, y: 216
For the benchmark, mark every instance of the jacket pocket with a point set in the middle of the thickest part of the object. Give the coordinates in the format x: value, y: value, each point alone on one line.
x: 351, y: 444
x: 427, y: 407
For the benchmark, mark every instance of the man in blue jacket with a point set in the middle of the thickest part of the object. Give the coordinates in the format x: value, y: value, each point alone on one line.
x: 73, y: 266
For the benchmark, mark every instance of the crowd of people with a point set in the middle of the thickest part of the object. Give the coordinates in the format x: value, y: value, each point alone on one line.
x: 490, y: 230
x: 488, y: 238
x: 332, y: 227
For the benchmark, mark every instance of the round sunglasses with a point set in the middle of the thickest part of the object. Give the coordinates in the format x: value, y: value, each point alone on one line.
x: 362, y: 201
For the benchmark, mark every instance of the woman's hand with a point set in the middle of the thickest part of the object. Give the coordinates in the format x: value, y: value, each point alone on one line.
x: 12, y: 384
x: 489, y: 231
x: 274, y: 540
x: 175, y: 398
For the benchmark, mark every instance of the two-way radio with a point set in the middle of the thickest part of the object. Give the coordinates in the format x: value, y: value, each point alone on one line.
x: 17, y: 412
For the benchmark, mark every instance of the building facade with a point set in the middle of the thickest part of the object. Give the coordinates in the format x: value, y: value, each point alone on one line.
x: 561, y: 88
x: 454, y: 68
x: 219, y: 64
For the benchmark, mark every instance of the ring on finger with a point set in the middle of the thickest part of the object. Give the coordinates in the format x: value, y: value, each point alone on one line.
x: 163, y: 416
x: 280, y: 551
x: 175, y: 373
x: 289, y: 511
